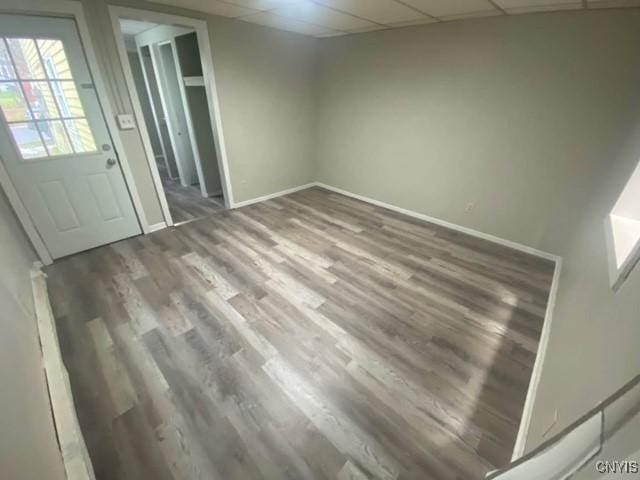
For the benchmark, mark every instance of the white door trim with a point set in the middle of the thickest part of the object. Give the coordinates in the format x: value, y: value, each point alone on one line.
x: 71, y: 9
x: 137, y: 111
x: 206, y: 58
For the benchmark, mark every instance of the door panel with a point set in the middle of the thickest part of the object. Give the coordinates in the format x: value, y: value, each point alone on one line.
x: 165, y: 65
x: 104, y: 196
x: 55, y: 200
x: 54, y: 140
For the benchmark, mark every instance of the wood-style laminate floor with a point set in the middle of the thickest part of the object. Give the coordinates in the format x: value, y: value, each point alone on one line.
x: 187, y: 203
x: 311, y: 336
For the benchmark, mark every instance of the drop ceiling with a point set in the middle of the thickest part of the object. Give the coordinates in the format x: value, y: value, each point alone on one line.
x: 327, y: 18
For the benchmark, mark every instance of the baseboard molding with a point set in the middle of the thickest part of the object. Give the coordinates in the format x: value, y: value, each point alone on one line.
x: 525, y: 422
x: 536, y: 374
x: 73, y: 450
x: 157, y: 226
x: 263, y: 198
x: 469, y: 231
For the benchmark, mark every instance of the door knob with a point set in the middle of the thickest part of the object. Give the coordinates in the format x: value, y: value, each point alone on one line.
x: 111, y: 162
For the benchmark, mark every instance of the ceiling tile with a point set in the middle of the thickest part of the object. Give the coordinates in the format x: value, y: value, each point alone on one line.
x: 449, y: 8
x: 463, y: 16
x: 419, y: 21
x: 319, y: 15
x: 263, y: 4
x: 373, y: 28
x: 385, y: 12
x: 321, y: 18
x: 214, y: 7
x: 526, y: 6
x: 333, y: 34
x: 283, y: 23
x: 613, y: 3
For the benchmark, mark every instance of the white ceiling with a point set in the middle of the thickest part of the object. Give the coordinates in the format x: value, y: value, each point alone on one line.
x: 327, y: 18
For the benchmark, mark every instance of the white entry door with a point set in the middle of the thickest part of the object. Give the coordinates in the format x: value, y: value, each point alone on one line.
x: 54, y: 141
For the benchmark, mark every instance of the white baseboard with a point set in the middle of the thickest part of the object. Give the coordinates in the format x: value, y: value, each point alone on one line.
x: 73, y: 449
x: 444, y: 223
x: 157, y: 226
x: 536, y: 373
x: 251, y: 201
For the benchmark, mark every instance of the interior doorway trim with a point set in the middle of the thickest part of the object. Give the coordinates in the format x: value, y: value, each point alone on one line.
x: 137, y: 112
x: 74, y: 10
x: 202, y: 32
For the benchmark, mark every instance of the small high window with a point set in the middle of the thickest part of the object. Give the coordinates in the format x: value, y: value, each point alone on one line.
x: 623, y: 232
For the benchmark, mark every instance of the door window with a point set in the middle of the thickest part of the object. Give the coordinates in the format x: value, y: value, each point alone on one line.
x: 40, y: 101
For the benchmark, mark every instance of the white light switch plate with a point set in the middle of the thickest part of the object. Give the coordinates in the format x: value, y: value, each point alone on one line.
x: 126, y: 121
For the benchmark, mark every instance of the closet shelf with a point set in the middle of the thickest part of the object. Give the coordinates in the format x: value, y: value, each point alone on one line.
x: 193, y: 81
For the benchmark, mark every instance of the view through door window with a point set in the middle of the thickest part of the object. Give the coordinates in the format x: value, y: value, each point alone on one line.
x: 40, y: 101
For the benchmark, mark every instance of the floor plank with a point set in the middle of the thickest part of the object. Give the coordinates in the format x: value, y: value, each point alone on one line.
x: 186, y: 203
x: 311, y: 336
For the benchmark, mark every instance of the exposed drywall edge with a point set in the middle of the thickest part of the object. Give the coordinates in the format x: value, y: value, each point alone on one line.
x: 536, y: 374
x: 444, y: 223
x: 157, y: 226
x: 269, y: 196
x: 75, y: 457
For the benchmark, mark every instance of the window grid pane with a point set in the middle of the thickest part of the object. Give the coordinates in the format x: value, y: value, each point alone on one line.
x: 55, y: 137
x: 26, y: 59
x: 81, y: 136
x: 53, y: 100
x: 7, y: 72
x: 54, y: 59
x: 67, y: 98
x: 12, y: 102
x: 28, y: 140
x: 40, y: 100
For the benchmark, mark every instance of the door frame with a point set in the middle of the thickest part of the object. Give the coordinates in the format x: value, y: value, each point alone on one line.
x: 189, y: 119
x: 74, y: 10
x: 208, y: 73
x: 161, y: 78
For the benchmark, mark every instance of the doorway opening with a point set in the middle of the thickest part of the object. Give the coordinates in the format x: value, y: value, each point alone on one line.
x: 167, y: 72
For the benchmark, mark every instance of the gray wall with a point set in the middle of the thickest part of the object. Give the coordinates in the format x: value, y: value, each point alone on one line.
x: 432, y: 118
x: 28, y: 445
x: 593, y: 348
x: 265, y: 79
x: 535, y: 118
